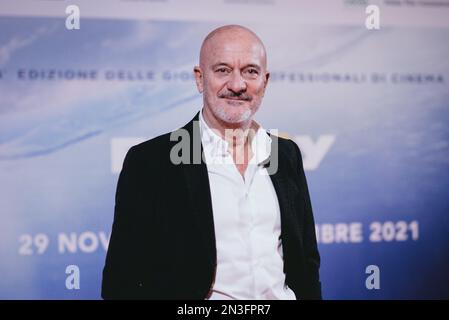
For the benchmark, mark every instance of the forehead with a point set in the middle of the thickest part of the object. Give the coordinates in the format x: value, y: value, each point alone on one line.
x: 237, y: 49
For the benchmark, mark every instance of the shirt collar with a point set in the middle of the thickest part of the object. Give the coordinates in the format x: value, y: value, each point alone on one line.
x: 215, y: 146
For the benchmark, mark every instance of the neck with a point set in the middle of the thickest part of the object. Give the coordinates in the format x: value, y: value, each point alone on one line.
x: 236, y: 134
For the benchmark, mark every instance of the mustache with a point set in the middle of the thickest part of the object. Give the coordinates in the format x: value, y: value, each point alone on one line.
x: 233, y: 95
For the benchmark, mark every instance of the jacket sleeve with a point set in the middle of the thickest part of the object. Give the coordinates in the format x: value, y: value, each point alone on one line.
x: 119, y: 274
x: 312, y: 256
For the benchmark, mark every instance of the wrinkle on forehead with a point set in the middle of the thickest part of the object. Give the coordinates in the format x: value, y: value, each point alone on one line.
x: 232, y: 38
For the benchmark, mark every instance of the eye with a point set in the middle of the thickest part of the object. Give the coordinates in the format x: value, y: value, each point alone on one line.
x: 222, y: 70
x: 252, y: 71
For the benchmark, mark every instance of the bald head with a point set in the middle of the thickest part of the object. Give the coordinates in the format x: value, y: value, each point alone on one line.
x: 231, y: 35
x: 232, y: 76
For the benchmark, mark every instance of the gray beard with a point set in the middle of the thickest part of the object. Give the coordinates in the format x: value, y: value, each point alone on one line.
x: 221, y: 114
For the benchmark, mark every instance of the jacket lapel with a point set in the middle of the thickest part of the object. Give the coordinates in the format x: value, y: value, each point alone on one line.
x: 197, y: 181
x: 286, y: 191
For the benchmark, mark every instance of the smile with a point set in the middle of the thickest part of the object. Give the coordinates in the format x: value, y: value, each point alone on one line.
x: 235, y: 99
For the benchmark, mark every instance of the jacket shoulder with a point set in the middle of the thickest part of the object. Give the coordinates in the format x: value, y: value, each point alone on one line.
x: 286, y: 146
x: 160, y: 142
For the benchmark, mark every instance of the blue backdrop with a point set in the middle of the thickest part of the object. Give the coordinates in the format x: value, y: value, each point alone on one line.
x: 369, y: 109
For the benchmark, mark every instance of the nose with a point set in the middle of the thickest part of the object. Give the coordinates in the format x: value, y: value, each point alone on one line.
x: 236, y: 83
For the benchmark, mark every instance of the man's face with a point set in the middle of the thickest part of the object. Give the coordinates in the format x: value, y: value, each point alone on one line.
x: 232, y: 77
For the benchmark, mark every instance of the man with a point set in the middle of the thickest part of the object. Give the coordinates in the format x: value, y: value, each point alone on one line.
x: 235, y: 223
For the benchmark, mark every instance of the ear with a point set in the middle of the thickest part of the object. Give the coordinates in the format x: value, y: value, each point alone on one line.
x: 198, y: 78
x: 267, y: 76
x: 265, y: 80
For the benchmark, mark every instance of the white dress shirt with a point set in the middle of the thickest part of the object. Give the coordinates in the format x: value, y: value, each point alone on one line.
x: 247, y: 222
